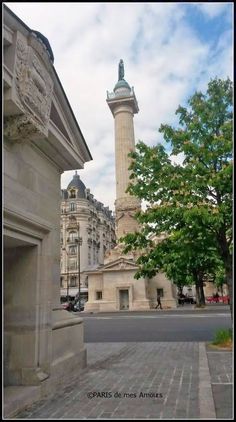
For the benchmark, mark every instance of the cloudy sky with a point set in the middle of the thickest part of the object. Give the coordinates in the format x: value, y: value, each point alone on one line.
x: 169, y: 51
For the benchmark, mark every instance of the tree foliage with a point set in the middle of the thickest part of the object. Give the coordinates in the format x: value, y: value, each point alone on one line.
x: 190, y: 202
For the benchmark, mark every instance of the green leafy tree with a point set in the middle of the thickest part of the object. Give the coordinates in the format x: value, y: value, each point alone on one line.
x: 190, y: 258
x: 186, y: 256
x: 219, y: 278
x: 195, y: 198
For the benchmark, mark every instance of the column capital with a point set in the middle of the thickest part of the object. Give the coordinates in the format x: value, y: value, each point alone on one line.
x: 128, y: 101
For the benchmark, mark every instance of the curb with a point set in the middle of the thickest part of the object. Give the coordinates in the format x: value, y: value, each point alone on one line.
x: 206, y: 401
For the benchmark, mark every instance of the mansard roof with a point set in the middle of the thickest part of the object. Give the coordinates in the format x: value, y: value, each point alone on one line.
x: 77, y: 183
x: 84, y: 193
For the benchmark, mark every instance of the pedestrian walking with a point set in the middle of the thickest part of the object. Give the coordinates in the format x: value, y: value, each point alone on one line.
x: 181, y: 299
x: 158, y: 302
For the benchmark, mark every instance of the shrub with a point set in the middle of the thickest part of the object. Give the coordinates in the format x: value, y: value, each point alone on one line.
x: 223, y: 336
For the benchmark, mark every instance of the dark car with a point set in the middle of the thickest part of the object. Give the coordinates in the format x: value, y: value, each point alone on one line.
x: 189, y: 299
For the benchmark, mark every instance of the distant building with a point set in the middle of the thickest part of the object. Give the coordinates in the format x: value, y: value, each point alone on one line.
x: 82, y: 216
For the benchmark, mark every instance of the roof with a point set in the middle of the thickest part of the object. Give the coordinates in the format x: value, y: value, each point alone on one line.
x: 122, y: 84
x: 77, y: 183
x: 46, y: 43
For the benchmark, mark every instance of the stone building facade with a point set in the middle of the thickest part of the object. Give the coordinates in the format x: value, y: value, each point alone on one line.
x: 82, y: 216
x: 43, y: 343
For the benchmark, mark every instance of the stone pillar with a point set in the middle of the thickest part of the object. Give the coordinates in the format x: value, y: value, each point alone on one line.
x: 123, y: 105
x: 124, y: 143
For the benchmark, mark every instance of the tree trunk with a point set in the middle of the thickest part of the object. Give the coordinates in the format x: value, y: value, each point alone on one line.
x: 200, y: 297
x: 229, y: 284
x: 197, y: 295
x: 227, y: 259
x: 228, y: 279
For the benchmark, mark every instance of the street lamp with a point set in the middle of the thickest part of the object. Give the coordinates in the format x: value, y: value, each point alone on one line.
x: 79, y: 240
x: 67, y: 277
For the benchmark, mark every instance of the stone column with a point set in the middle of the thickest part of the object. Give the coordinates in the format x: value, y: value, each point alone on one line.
x: 124, y: 143
x: 123, y: 105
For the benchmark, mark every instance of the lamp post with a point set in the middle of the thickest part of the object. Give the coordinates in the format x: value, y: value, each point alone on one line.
x: 67, y: 278
x: 79, y: 241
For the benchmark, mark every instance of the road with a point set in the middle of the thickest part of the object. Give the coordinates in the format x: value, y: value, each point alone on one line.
x: 175, y: 325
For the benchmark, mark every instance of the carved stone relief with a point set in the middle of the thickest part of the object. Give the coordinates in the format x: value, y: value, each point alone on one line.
x: 33, y: 84
x: 21, y: 128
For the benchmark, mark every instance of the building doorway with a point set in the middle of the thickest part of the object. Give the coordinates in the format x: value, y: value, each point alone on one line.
x: 21, y: 333
x: 124, y: 299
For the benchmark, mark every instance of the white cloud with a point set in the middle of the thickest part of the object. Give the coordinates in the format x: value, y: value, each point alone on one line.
x: 211, y: 9
x: 177, y: 159
x: 165, y: 60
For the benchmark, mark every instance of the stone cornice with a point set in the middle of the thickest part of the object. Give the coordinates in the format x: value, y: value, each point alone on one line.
x: 15, y: 219
x: 128, y: 102
x: 7, y: 35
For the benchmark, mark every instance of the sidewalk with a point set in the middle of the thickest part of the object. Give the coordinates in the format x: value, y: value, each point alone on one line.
x: 220, y: 365
x: 212, y: 307
x: 142, y: 380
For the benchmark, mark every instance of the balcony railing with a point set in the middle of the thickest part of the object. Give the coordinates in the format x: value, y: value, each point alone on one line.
x: 73, y: 240
x: 112, y: 95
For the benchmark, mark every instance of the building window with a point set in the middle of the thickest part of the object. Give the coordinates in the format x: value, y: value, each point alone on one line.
x: 94, y: 256
x: 73, y: 281
x: 72, y: 219
x: 61, y: 281
x: 72, y: 206
x: 72, y: 250
x: 72, y: 193
x: 72, y: 236
x: 89, y: 255
x: 99, y: 295
x: 72, y: 264
x: 160, y: 292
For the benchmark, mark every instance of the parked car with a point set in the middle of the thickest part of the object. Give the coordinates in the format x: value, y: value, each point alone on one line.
x: 68, y: 306
x: 78, y: 307
x: 220, y: 299
x: 189, y: 299
x: 182, y: 299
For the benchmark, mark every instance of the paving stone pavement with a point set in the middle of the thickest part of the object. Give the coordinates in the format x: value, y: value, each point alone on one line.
x: 167, y: 375
x: 220, y: 366
x: 144, y: 381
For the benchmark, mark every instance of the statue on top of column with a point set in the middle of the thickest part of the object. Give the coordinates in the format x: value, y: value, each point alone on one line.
x: 121, y: 70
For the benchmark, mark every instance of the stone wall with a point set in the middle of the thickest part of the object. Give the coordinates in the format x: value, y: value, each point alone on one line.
x: 36, y: 328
